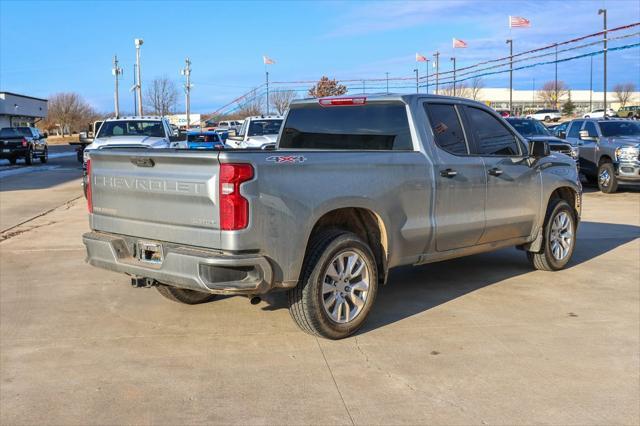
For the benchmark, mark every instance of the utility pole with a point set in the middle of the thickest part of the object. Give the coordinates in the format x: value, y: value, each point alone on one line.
x: 533, y: 94
x: 134, y: 89
x: 116, y: 71
x: 437, y: 56
x: 604, y: 13
x: 454, y: 76
x: 556, y: 77
x: 417, y: 80
x: 138, y: 42
x: 591, y: 84
x: 187, y: 89
x: 510, y: 43
x: 426, y: 76
x: 387, y: 82
x: 267, y: 80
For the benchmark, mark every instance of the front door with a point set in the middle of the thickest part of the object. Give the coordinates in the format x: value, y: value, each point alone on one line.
x: 589, y: 149
x: 460, y: 181
x: 513, y: 187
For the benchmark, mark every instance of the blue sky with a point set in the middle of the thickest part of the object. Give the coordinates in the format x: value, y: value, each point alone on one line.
x: 49, y: 47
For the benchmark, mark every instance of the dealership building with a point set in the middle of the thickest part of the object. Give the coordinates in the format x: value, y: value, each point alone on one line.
x: 21, y: 110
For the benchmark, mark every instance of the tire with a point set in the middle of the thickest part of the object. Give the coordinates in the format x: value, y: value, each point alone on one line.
x: 321, y: 310
x: 45, y: 156
x: 181, y: 295
x: 586, y: 116
x: 28, y: 159
x: 547, y: 119
x: 607, y: 180
x: 552, y: 257
x: 13, y: 160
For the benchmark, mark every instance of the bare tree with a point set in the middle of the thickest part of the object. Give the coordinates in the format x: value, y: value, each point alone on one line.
x: 281, y: 100
x: 461, y: 91
x: 623, y: 92
x: 68, y: 112
x: 252, y: 105
x: 161, y: 96
x: 548, y: 92
x: 477, y: 84
x: 326, y: 87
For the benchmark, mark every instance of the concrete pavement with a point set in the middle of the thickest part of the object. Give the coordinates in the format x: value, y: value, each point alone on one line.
x: 480, y: 340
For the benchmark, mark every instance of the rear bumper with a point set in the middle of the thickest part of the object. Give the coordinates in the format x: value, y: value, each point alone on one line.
x: 13, y: 152
x: 184, y: 267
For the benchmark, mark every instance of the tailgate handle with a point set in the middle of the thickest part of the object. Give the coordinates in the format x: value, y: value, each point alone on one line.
x: 143, y: 162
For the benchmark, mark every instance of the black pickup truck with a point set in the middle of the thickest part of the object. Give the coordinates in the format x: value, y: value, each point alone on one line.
x: 23, y: 142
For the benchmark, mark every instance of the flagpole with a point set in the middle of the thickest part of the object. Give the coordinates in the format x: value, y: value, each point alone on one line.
x: 454, y: 76
x: 437, y: 56
x: 510, y: 43
x: 427, y: 75
x: 267, y: 80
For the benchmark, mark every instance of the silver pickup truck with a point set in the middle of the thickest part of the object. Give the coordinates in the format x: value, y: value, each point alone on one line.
x: 355, y: 186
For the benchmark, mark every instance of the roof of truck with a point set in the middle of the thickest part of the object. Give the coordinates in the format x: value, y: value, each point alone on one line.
x: 384, y: 97
x: 136, y: 117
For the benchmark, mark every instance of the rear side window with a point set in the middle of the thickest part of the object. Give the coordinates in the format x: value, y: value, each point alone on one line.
x: 492, y: 137
x: 574, y: 131
x: 447, y: 130
x: 377, y: 126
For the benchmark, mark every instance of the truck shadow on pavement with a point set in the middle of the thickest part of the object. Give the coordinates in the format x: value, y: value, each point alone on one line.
x: 413, y: 290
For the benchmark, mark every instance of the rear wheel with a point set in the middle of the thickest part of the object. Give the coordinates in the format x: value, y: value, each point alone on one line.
x: 607, y: 180
x: 28, y: 159
x: 547, y: 119
x: 337, y: 288
x: 13, y: 160
x: 559, y: 238
x: 45, y: 156
x: 181, y: 295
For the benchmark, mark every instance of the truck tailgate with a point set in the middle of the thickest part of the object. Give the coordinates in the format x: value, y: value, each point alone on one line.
x: 160, y: 195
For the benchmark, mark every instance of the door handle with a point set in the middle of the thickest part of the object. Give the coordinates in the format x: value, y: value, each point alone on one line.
x: 448, y: 173
x: 495, y: 171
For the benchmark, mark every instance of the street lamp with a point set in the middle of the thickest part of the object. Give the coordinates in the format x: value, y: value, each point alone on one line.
x: 603, y: 12
x: 454, y: 76
x: 138, y: 42
x: 417, y: 78
x: 510, y: 43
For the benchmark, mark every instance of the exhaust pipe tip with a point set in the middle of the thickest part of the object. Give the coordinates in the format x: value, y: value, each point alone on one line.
x: 254, y: 300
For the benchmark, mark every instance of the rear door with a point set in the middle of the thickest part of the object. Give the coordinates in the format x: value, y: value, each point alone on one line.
x: 157, y: 195
x: 460, y: 181
x: 513, y: 187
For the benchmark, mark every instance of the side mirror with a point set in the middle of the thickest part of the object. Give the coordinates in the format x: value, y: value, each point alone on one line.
x: 175, y: 138
x: 45, y: 135
x: 584, y: 136
x: 562, y: 135
x: 539, y: 149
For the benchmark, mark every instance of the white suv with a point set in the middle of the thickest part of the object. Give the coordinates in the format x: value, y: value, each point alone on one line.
x: 546, y: 115
x: 599, y: 113
x: 257, y: 132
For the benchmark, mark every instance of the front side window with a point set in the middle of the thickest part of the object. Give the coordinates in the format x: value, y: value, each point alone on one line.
x: 591, y: 128
x: 375, y: 126
x: 447, y: 130
x: 131, y: 128
x: 574, y: 131
x: 492, y: 137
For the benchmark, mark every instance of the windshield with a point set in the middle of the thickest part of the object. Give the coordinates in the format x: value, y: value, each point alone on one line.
x: 619, y: 128
x: 203, y: 138
x: 264, y: 127
x: 131, y: 128
x: 529, y: 127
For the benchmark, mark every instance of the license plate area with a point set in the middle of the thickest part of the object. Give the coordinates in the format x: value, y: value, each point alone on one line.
x: 149, y: 252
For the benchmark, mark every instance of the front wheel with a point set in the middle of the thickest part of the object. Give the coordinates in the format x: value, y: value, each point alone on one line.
x: 45, y: 156
x: 337, y: 287
x: 607, y: 180
x: 559, y: 238
x: 181, y: 295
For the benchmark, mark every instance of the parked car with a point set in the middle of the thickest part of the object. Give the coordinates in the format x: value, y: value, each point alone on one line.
x: 630, y: 111
x: 23, y: 142
x: 533, y: 130
x: 546, y: 115
x: 356, y: 186
x: 560, y: 131
x: 609, y: 150
x: 504, y: 112
x: 203, y: 140
x: 229, y: 126
x: 600, y: 113
x: 257, y: 131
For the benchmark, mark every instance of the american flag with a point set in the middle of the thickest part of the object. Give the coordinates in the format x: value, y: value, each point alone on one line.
x: 518, y: 22
x: 421, y: 58
x: 267, y: 60
x: 459, y: 44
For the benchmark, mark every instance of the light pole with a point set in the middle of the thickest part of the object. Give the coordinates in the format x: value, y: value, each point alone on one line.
x: 116, y: 71
x: 387, y: 82
x: 603, y: 12
x: 426, y: 76
x: 454, y: 76
x: 510, y: 43
x: 417, y: 78
x: 591, y: 84
x: 437, y: 56
x: 138, y: 42
x: 134, y: 89
x: 187, y: 89
x: 267, y: 81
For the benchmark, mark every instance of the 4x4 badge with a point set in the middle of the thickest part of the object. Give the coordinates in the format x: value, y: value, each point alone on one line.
x: 286, y: 159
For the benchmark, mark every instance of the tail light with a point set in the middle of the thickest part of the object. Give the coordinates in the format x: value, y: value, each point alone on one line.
x: 357, y: 100
x: 24, y: 141
x: 234, y: 208
x: 88, y: 188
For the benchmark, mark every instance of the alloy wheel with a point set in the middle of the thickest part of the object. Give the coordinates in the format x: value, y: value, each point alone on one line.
x: 345, y: 286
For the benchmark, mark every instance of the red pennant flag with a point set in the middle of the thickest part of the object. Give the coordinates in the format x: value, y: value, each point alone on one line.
x: 459, y: 44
